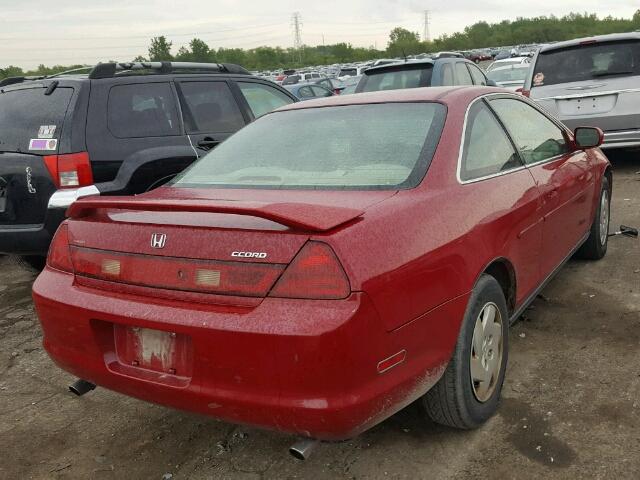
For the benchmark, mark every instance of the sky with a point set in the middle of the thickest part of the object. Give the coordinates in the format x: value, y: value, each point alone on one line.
x: 34, y: 32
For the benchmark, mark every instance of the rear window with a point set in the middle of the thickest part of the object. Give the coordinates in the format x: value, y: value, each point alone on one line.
x: 24, y: 112
x: 587, y: 62
x: 508, y: 74
x: 382, y: 146
x: 352, y: 72
x: 142, y: 110
x: 396, y: 79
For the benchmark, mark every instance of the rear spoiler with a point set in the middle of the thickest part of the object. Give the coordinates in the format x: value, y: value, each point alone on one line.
x: 302, y: 216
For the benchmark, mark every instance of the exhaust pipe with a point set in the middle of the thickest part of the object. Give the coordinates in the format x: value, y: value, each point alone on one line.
x: 80, y: 387
x: 303, y: 448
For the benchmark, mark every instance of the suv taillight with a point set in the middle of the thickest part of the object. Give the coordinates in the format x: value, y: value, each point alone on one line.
x: 70, y: 170
x: 315, y: 273
x: 59, y: 254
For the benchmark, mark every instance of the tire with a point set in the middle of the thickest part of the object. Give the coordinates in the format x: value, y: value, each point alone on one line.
x: 456, y: 400
x: 595, y: 247
x: 31, y: 263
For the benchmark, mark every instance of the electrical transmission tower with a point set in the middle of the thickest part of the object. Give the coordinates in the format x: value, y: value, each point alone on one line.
x: 426, y: 37
x: 296, y: 23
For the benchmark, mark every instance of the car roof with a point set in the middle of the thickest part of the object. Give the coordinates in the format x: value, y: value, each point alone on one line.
x: 596, y: 39
x: 425, y: 94
x: 511, y: 59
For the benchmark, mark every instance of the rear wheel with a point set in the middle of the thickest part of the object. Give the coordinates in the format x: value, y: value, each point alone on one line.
x: 468, y: 393
x: 596, y: 245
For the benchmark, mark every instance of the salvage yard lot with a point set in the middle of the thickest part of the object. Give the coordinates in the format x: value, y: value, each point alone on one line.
x: 570, y: 408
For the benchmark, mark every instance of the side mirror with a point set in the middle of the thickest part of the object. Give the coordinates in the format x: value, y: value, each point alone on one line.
x: 491, y: 83
x: 588, y: 137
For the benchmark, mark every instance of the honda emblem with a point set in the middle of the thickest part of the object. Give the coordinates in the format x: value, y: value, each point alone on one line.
x: 158, y: 240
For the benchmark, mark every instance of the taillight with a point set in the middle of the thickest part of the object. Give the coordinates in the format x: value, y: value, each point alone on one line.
x: 70, y: 170
x: 522, y: 91
x: 59, y: 255
x: 205, y: 276
x: 315, y: 273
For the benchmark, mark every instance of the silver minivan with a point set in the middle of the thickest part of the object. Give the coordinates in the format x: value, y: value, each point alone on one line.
x: 592, y: 82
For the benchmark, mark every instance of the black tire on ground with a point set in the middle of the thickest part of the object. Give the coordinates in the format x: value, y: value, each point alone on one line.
x: 453, y: 401
x: 31, y: 263
x: 595, y: 246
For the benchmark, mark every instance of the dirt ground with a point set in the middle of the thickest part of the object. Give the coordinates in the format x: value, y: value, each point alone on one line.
x: 570, y: 409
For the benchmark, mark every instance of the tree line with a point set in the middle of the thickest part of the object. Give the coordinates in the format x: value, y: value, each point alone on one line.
x: 401, y: 42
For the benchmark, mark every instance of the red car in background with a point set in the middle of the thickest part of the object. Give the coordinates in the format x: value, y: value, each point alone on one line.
x: 331, y: 263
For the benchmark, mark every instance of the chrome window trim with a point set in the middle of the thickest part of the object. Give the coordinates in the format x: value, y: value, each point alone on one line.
x: 514, y: 169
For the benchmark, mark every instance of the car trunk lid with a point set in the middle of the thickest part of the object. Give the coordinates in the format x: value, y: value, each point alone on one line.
x: 209, y: 243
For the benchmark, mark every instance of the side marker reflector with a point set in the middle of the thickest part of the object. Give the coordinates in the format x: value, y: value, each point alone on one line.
x: 392, y: 361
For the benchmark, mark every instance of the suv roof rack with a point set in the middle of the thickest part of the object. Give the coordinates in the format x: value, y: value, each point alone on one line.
x: 110, y: 69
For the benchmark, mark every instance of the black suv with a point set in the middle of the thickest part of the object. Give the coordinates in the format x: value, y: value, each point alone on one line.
x: 121, y: 128
x: 446, y: 69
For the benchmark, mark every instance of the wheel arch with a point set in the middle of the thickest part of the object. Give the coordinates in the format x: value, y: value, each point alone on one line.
x: 505, y: 274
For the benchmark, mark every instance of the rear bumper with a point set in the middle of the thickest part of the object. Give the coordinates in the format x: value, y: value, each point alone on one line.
x: 35, y: 239
x: 622, y: 139
x: 304, y: 367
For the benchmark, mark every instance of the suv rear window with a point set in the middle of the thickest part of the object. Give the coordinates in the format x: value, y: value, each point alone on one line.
x: 587, y: 62
x: 395, y: 79
x: 142, y: 110
x: 24, y: 111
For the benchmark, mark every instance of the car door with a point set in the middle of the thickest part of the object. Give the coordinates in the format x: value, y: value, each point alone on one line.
x: 489, y: 168
x: 210, y: 111
x: 563, y: 174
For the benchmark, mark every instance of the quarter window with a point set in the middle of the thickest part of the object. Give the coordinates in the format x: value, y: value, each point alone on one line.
x: 536, y: 137
x: 462, y: 74
x: 211, y: 108
x: 142, y: 110
x: 262, y: 98
x: 477, y: 75
x: 487, y: 149
x: 447, y: 74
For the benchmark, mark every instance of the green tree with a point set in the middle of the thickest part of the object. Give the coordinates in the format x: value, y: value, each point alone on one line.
x: 160, y: 49
x: 403, y: 42
x: 11, y: 71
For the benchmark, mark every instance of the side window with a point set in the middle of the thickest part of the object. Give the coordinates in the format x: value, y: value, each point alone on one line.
x: 142, y: 110
x: 536, y: 137
x: 462, y: 74
x: 305, y: 92
x: 262, y: 98
x: 447, y: 74
x: 320, y: 92
x: 477, y: 75
x: 487, y: 149
x: 210, y: 107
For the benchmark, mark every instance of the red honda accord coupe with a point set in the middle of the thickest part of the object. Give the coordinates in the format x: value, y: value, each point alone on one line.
x: 331, y: 263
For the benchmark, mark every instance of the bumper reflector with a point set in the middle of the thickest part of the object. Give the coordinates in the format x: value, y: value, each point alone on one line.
x: 390, y: 362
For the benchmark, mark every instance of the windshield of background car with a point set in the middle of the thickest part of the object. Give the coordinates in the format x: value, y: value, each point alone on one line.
x: 395, y: 79
x: 375, y: 146
x: 587, y: 62
x: 508, y: 74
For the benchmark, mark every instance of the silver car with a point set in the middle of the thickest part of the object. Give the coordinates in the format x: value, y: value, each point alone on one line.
x: 592, y: 82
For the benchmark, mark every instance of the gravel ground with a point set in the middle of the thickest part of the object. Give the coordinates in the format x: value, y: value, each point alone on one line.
x: 570, y: 409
